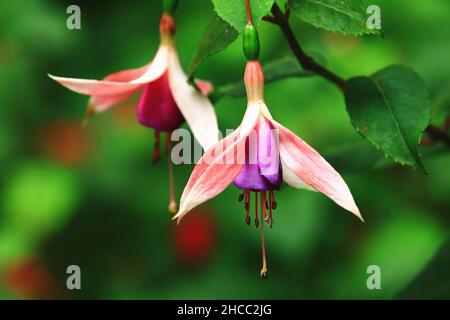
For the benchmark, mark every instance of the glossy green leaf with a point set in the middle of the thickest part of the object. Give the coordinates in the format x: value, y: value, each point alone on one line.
x: 345, y: 16
x: 234, y: 12
x: 391, y: 109
x: 286, y: 67
x: 217, y: 36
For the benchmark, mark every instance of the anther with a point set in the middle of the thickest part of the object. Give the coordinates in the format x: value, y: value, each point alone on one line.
x: 274, y: 205
x: 241, y: 197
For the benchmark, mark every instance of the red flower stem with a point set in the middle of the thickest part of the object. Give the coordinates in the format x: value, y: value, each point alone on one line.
x: 249, y: 12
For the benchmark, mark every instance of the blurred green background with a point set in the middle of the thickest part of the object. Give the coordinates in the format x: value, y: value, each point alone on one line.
x: 89, y: 196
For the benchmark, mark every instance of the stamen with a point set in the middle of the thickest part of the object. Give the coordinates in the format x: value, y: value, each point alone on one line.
x: 272, y: 200
x: 264, y: 271
x: 241, y: 196
x: 88, y: 115
x: 156, y: 148
x: 173, y: 206
x: 256, y: 210
x: 247, y: 206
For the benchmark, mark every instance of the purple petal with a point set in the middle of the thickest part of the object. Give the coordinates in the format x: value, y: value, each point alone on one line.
x: 262, y: 169
x: 268, y: 153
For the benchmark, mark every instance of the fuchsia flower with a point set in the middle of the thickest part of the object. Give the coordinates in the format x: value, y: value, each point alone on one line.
x: 258, y: 138
x: 166, y: 101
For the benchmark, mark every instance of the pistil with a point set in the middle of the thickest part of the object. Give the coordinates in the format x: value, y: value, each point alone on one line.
x: 267, y: 203
x: 264, y: 271
x: 256, y: 210
x: 173, y: 206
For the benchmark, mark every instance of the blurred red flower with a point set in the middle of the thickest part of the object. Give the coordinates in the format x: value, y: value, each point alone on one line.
x: 30, y: 278
x: 195, y: 239
x: 66, y: 142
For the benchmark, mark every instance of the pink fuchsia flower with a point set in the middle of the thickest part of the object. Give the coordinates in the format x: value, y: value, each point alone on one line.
x: 258, y: 138
x: 166, y: 101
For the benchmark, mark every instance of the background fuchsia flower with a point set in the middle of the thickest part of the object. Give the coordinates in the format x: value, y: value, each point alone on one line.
x: 166, y: 101
x: 257, y: 157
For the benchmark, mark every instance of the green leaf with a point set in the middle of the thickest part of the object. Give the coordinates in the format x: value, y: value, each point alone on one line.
x: 432, y: 282
x: 345, y: 16
x: 391, y: 109
x: 286, y: 67
x: 217, y: 36
x: 234, y: 12
x: 363, y: 157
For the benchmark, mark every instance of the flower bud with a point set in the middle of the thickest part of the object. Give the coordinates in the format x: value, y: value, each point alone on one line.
x: 251, y: 42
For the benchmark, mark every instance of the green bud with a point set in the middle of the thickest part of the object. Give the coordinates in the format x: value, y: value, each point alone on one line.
x: 251, y: 42
x: 170, y: 6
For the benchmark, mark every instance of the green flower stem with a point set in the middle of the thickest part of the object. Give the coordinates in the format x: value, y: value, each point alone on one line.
x: 170, y: 6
